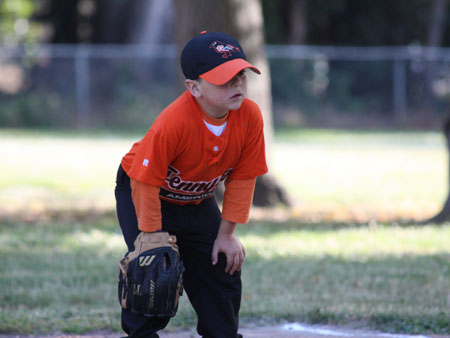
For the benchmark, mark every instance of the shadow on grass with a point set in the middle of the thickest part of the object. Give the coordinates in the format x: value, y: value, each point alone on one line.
x: 261, y: 226
x: 96, y: 215
x: 61, y: 276
x: 390, y: 293
x: 63, y: 216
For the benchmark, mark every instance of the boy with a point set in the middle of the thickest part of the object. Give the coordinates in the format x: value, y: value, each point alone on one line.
x: 166, y: 182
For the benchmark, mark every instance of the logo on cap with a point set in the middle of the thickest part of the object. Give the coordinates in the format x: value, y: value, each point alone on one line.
x: 225, y: 49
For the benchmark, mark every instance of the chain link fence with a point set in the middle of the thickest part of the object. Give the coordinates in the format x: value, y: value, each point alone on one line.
x: 126, y: 86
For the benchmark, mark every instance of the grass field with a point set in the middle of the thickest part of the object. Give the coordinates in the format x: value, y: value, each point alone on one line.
x: 363, y: 175
x: 340, y: 256
x: 331, y: 175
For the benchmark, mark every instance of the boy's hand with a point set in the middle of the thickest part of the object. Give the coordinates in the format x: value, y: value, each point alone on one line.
x: 227, y: 243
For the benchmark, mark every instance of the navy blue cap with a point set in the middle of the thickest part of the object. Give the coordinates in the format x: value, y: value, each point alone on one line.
x: 215, y: 57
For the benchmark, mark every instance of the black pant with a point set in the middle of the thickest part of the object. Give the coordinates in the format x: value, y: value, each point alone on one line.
x: 214, y: 295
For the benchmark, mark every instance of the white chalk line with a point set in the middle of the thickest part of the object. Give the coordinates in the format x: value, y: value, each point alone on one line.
x: 297, y: 327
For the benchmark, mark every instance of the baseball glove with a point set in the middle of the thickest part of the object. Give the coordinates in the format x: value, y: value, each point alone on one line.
x: 150, y: 277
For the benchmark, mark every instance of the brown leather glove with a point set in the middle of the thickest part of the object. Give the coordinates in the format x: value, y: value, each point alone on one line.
x: 150, y: 277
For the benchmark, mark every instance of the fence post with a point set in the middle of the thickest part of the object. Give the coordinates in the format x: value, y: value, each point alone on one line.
x: 399, y: 90
x: 82, y: 86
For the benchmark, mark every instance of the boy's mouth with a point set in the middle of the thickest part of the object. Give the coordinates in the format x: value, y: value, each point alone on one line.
x: 236, y: 96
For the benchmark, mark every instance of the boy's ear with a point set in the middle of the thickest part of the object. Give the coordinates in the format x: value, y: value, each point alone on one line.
x: 194, y: 87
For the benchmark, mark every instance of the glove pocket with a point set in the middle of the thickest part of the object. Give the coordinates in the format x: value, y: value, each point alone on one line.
x: 175, y: 289
x: 169, y: 283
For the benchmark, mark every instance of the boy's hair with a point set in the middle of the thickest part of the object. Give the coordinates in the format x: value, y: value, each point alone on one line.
x: 214, y: 57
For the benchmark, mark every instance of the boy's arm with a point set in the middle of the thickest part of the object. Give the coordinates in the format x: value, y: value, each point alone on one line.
x: 237, y: 200
x: 227, y: 243
x: 147, y: 204
x: 236, y: 209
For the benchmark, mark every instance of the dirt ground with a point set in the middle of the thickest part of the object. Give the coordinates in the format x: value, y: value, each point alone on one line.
x: 281, y: 331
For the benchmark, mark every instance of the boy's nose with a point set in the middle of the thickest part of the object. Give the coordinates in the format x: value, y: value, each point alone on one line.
x: 236, y: 80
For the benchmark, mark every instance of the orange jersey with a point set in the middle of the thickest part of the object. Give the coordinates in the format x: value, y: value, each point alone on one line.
x: 184, y: 158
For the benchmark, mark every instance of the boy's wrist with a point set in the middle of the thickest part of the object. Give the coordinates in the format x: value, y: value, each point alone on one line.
x: 226, y: 228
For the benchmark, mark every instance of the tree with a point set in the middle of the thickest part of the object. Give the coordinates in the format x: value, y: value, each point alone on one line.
x: 444, y: 214
x: 435, y: 37
x: 437, y: 22
x: 436, y: 28
x: 244, y: 21
x: 297, y: 21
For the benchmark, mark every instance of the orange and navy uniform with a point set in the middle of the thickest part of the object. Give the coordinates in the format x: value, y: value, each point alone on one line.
x: 180, y: 160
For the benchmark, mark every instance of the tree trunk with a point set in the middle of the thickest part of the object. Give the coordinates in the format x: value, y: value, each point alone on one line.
x: 437, y: 22
x: 435, y: 33
x: 244, y: 21
x: 297, y: 21
x: 444, y: 215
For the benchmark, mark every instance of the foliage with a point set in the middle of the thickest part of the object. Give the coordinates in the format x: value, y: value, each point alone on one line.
x: 340, y: 22
x: 358, y: 92
x: 320, y: 85
x: 353, y: 22
x: 35, y: 109
x: 121, y: 104
x: 15, y: 23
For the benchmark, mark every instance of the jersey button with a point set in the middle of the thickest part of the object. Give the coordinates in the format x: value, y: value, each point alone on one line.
x: 216, y: 148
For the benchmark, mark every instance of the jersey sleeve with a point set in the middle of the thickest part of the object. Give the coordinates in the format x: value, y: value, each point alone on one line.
x: 237, y: 200
x: 252, y: 162
x: 147, y: 204
x: 152, y: 159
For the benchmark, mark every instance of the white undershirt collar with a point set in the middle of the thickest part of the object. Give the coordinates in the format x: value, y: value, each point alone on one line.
x: 216, y: 130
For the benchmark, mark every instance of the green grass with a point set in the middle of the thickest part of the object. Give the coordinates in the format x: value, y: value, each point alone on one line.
x: 340, y: 175
x: 340, y: 257
x: 387, y: 277
x: 333, y: 175
x: 61, y: 276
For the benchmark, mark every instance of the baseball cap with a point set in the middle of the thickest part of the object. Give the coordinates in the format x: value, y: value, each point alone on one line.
x: 214, y: 57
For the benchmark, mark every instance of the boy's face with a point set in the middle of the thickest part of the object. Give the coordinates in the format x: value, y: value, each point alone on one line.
x: 218, y: 100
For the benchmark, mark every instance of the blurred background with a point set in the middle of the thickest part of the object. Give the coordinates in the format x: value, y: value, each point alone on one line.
x: 341, y: 76
x: 110, y: 63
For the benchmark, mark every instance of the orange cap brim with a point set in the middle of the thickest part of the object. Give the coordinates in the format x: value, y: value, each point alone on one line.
x: 226, y: 71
